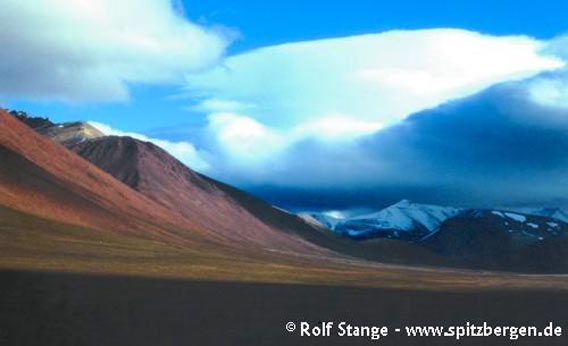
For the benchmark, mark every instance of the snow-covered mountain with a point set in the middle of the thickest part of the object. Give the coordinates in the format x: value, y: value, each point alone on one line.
x: 416, y: 222
x: 403, y: 220
x: 532, y: 241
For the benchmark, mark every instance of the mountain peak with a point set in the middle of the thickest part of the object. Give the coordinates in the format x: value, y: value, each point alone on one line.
x: 403, y: 220
x: 403, y: 203
x: 71, y: 133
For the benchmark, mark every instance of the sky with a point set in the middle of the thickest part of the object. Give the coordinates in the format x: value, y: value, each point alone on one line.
x: 313, y: 105
x: 265, y: 23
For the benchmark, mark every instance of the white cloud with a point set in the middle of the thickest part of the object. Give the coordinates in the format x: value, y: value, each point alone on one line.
x: 183, y: 151
x: 215, y: 105
x: 80, y: 50
x: 373, y: 79
x: 337, y: 127
x: 243, y: 140
x: 245, y: 143
x: 551, y: 91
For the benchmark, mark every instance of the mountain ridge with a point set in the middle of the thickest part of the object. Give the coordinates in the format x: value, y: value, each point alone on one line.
x: 484, y: 239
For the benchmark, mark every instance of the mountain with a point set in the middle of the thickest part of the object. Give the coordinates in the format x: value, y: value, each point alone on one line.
x: 228, y: 214
x: 404, y: 220
x: 503, y: 240
x: 42, y: 178
x: 535, y: 242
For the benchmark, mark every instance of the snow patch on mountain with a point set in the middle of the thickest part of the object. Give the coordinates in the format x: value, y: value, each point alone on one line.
x: 498, y: 213
x: 516, y: 217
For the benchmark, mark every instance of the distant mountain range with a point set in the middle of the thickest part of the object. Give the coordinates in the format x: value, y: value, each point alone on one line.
x: 74, y: 174
x: 530, y: 239
x: 415, y: 222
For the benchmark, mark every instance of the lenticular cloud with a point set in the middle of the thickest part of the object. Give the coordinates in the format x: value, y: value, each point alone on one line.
x: 379, y: 78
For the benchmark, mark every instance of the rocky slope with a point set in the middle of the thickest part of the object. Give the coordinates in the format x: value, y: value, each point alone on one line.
x: 40, y: 177
x: 501, y: 240
x: 223, y: 211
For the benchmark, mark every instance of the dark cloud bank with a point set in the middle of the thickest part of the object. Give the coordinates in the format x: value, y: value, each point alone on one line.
x: 496, y: 148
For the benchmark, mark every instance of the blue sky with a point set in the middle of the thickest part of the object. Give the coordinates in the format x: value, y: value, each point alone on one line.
x: 296, y: 100
x: 265, y: 23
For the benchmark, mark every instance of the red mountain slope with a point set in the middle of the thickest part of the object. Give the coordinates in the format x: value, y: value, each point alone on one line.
x: 41, y: 177
x: 227, y: 213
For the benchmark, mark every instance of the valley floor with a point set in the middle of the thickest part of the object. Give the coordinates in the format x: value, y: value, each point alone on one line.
x: 76, y: 309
